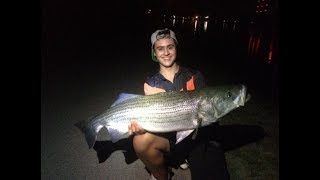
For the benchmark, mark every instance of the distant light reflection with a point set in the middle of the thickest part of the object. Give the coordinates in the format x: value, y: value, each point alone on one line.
x: 224, y: 24
x: 174, y: 20
x: 205, y: 23
x: 205, y: 26
x: 257, y: 46
x: 195, y: 25
x: 234, y: 25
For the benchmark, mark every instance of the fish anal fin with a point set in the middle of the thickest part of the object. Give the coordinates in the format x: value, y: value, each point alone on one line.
x: 183, y: 134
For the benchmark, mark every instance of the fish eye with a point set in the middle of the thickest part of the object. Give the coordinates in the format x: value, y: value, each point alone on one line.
x: 228, y: 95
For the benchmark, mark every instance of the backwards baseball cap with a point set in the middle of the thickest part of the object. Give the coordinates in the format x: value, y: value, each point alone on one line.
x: 160, y: 34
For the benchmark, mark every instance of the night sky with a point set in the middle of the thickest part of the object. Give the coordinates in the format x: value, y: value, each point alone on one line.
x: 221, y: 7
x: 91, y: 33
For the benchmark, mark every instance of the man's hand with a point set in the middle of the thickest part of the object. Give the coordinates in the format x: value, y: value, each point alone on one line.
x: 135, y: 129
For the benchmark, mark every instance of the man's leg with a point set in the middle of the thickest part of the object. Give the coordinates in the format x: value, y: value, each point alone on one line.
x: 208, y: 162
x: 151, y: 149
x: 206, y: 157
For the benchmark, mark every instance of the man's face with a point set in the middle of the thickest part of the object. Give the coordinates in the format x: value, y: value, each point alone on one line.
x: 165, y: 51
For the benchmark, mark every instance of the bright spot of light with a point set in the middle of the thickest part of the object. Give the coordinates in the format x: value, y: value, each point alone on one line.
x: 205, y: 26
x: 195, y: 25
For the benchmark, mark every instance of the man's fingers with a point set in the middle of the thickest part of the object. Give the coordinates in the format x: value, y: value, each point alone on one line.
x: 134, y: 128
x: 129, y: 129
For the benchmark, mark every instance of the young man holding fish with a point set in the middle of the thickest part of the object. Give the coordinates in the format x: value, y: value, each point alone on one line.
x: 159, y: 151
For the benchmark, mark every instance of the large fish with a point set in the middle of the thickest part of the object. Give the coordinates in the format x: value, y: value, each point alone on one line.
x: 166, y: 112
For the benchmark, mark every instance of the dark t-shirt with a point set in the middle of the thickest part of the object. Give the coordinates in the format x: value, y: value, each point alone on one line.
x: 179, y: 81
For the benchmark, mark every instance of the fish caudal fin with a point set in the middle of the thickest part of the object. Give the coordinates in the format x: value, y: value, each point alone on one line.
x: 90, y: 133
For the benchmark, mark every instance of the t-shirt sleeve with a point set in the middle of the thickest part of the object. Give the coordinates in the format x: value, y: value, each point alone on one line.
x: 199, y: 80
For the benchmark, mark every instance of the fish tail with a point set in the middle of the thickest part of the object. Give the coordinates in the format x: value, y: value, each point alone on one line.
x: 89, y: 131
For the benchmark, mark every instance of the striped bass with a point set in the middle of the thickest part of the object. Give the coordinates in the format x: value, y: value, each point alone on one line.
x: 165, y: 112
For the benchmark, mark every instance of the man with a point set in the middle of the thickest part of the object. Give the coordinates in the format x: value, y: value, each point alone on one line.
x: 163, y: 150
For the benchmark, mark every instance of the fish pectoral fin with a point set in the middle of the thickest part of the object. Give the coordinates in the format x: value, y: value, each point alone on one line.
x: 206, y: 111
x: 198, y: 126
x: 195, y: 134
x: 183, y: 134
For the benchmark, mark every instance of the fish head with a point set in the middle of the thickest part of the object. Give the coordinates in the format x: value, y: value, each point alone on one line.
x: 221, y: 100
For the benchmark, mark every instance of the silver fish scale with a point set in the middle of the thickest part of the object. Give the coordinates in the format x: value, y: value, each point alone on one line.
x: 165, y: 116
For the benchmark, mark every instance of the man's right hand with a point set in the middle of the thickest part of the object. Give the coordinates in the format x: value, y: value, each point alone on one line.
x: 135, y: 129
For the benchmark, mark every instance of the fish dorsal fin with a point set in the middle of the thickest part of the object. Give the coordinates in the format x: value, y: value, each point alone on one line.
x: 124, y: 97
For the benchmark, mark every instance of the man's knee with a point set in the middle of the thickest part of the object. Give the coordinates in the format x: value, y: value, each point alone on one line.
x: 142, y: 143
x: 150, y: 147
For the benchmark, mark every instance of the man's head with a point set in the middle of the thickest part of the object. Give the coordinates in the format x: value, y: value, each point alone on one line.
x: 163, y: 47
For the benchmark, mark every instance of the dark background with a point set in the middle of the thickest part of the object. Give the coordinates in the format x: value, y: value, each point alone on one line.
x: 93, y: 50
x: 99, y: 40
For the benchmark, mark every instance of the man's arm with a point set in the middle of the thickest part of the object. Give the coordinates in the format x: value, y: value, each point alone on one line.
x: 149, y: 90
